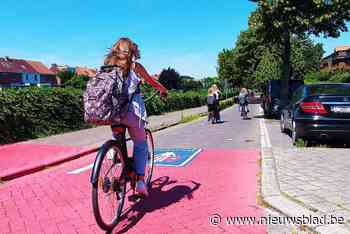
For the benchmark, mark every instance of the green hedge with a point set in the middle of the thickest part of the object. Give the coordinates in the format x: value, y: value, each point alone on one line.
x: 37, y: 112
x: 226, y: 103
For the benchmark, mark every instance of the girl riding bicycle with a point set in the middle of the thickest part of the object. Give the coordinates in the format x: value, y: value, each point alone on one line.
x: 124, y: 54
x: 243, y: 100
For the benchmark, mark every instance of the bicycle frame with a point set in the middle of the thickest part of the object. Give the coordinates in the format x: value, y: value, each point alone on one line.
x: 121, y: 140
x: 106, y: 183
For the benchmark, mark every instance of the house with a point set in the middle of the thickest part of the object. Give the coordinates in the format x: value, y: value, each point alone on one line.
x: 21, y: 73
x: 58, y: 68
x: 85, y: 71
x: 339, y: 59
x: 77, y: 70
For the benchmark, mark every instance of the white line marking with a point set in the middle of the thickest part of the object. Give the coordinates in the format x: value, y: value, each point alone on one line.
x: 267, y: 136
x: 77, y: 171
x: 261, y: 110
x: 264, y: 135
x: 190, y: 158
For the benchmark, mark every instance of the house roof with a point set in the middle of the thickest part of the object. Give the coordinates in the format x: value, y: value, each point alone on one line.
x: 40, y: 68
x: 15, y: 66
x: 341, y: 48
x: 12, y: 65
x: 85, y: 71
x: 54, y: 69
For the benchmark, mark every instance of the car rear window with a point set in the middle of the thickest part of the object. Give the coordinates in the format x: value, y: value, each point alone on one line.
x: 332, y: 89
x: 275, y: 87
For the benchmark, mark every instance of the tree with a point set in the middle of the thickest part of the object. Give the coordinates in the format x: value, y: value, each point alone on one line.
x: 226, y: 66
x: 253, y: 61
x: 170, y: 78
x: 209, y: 81
x: 305, y: 56
x: 65, y: 76
x: 189, y: 83
x: 269, y: 68
x: 238, y: 65
x: 277, y: 20
x: 78, y: 82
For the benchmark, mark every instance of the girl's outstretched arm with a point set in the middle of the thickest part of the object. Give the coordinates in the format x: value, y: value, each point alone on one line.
x: 141, y: 71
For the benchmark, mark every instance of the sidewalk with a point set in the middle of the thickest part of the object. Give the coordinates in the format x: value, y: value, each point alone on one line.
x: 307, y: 183
x: 34, y: 155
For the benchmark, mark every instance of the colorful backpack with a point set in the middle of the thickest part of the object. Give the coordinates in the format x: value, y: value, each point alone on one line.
x: 106, y: 97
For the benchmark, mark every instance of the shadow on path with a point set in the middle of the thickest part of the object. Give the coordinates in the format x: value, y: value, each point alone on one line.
x: 157, y: 199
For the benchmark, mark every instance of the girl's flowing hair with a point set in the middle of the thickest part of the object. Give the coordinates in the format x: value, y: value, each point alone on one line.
x: 114, y: 53
x: 215, y: 88
x: 243, y: 91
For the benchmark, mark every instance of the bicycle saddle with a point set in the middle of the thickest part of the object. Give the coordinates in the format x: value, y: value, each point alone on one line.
x: 119, y: 128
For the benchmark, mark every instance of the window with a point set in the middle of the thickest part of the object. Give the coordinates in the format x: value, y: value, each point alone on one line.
x: 298, y: 94
x: 328, y: 2
x: 330, y: 89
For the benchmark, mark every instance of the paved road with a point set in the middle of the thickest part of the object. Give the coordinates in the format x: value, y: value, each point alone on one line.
x: 233, y: 133
x: 222, y: 179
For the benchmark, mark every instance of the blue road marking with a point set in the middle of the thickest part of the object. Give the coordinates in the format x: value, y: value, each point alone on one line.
x: 175, y: 157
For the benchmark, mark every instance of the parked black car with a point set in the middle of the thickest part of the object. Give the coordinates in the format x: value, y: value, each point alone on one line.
x: 271, y: 103
x: 318, y: 112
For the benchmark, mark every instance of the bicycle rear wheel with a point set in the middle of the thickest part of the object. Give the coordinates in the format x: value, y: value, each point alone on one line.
x: 108, y: 192
x: 150, y: 158
x: 244, y: 112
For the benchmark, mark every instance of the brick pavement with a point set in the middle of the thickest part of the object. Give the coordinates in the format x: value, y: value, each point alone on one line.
x: 311, y: 180
x: 316, y: 177
x: 181, y: 199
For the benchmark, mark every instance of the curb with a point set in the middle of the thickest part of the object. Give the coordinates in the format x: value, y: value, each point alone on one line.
x: 271, y: 193
x: 30, y: 170
x: 33, y: 169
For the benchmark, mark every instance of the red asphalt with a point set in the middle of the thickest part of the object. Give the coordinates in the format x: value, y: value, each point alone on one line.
x: 22, y: 159
x: 181, y: 200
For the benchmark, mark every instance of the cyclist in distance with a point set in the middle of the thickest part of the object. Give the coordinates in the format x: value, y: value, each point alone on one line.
x: 243, y: 100
x: 124, y: 54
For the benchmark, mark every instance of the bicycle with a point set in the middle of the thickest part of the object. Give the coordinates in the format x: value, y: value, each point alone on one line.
x: 112, y: 182
x: 244, y: 111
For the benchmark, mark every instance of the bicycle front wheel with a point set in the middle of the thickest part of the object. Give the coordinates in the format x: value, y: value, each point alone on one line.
x: 150, y: 158
x: 108, y: 191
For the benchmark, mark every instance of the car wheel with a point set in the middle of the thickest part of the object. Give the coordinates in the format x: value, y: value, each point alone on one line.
x: 282, y: 124
x: 295, y: 136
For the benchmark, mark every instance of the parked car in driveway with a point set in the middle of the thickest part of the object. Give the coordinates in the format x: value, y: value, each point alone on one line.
x: 318, y: 112
x: 271, y: 102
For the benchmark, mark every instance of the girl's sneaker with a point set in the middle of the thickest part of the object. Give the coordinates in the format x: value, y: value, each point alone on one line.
x: 141, y: 188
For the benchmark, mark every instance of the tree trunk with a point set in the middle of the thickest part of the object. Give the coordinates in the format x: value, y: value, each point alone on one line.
x: 286, y: 67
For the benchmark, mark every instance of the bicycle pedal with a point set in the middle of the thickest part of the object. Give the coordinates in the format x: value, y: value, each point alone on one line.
x: 140, y: 196
x: 134, y: 198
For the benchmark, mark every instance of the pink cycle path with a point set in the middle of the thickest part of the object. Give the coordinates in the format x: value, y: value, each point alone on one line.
x: 181, y: 199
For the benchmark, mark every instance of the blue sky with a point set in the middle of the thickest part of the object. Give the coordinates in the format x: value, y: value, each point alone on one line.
x: 185, y: 35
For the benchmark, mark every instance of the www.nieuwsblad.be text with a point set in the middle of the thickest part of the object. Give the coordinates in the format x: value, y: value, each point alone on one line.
x: 217, y: 219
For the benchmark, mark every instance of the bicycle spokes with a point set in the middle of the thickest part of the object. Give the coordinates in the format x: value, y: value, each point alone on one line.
x: 109, y: 192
